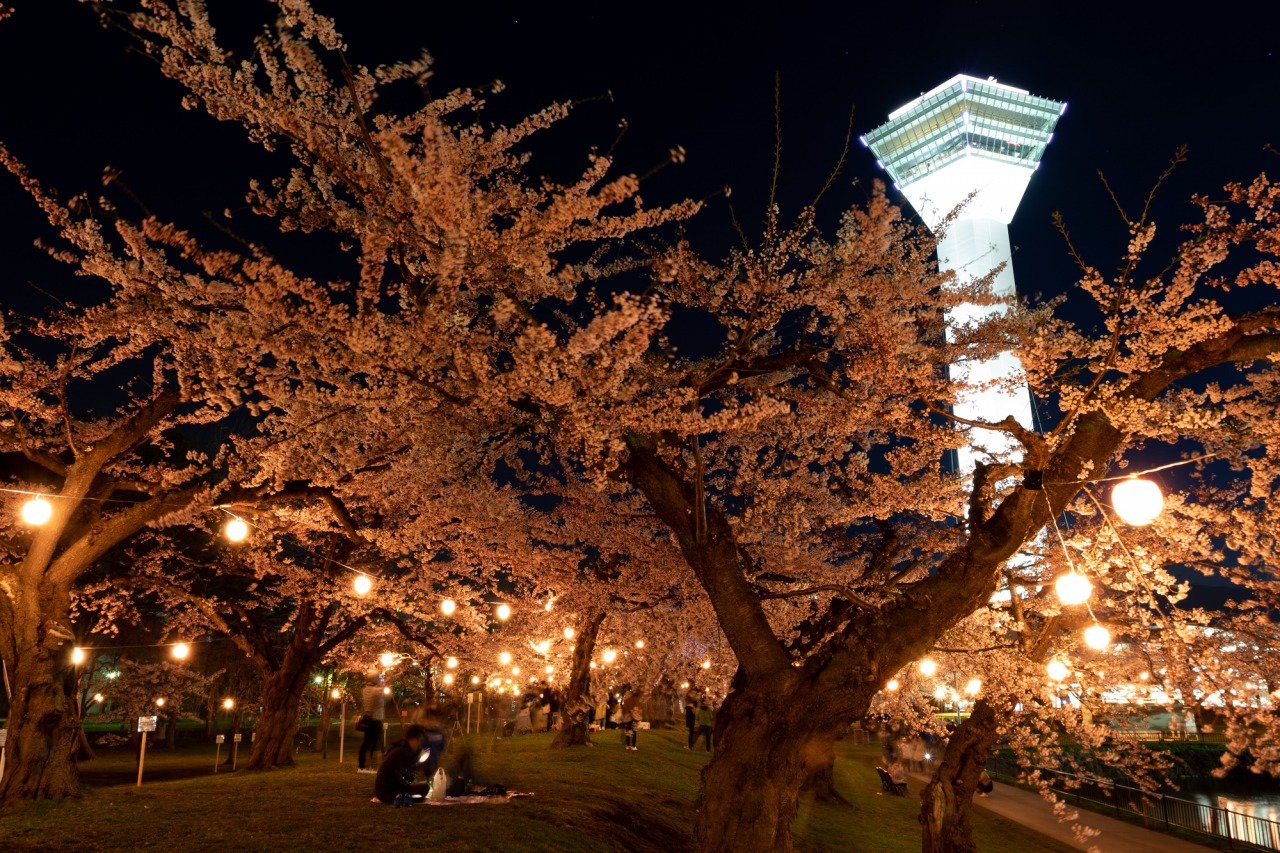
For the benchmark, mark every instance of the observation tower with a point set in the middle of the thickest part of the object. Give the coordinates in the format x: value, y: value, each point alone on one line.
x: 974, y: 143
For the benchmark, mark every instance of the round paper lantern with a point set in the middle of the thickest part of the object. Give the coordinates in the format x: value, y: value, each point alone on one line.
x: 1137, y: 501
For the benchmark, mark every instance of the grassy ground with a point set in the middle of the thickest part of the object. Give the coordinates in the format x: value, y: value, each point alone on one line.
x: 584, y: 800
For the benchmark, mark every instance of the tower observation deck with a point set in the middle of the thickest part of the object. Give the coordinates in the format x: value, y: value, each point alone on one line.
x: 972, y: 144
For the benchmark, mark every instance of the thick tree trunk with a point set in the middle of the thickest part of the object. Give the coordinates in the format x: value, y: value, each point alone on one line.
x: 948, y: 798
x: 770, y: 736
x: 322, y: 730
x: 575, y: 707
x: 44, y: 730
x: 821, y: 783
x: 278, y: 725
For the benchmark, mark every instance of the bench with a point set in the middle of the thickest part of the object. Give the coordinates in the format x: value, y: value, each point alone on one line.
x: 898, y: 789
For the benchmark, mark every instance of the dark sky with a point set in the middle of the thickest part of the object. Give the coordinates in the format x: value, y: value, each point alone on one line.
x: 1140, y: 79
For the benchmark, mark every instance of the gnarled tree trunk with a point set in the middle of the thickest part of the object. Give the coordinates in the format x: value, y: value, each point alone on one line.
x: 281, y: 698
x: 948, y: 798
x: 576, y: 703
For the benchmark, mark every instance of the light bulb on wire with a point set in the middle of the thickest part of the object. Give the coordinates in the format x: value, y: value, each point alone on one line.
x: 504, y: 612
x: 504, y: 658
x: 448, y: 606
x: 1073, y: 588
x: 362, y: 584
x: 77, y: 655
x: 1097, y: 637
x: 181, y: 650
x: 452, y: 663
x: 928, y: 668
x: 37, y: 511
x: 1057, y: 670
x: 609, y: 655
x: 387, y: 659
x: 892, y: 685
x: 1137, y: 501
x: 568, y: 633
x: 236, y: 530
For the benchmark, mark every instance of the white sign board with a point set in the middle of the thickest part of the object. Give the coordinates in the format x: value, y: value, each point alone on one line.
x: 146, y: 724
x: 221, y: 739
x: 238, y: 737
x: 4, y: 736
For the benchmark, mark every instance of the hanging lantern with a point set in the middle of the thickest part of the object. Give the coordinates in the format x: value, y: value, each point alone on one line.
x: 550, y: 669
x: 448, y: 606
x: 362, y: 584
x: 77, y: 656
x: 336, y: 694
x: 236, y: 530
x: 181, y: 650
x: 504, y: 612
x: 37, y: 511
x: 228, y: 703
x: 387, y: 659
x: 610, y: 656
x: 1057, y: 670
x: 639, y: 644
x: 504, y: 658
x: 568, y: 633
x: 1097, y: 637
x: 706, y: 664
x: 543, y: 647
x: 928, y: 668
x: 1137, y: 501
x: 973, y: 687
x: 475, y: 679
x: 448, y: 678
x: 452, y: 663
x: 892, y: 685
x: 1073, y: 588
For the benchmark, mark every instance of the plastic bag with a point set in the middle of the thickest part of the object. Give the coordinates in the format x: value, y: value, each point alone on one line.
x: 439, y: 786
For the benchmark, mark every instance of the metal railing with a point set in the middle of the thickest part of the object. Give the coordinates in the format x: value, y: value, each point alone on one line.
x: 1157, y: 811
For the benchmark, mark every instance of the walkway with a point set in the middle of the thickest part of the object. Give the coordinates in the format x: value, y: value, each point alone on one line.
x: 1116, y: 836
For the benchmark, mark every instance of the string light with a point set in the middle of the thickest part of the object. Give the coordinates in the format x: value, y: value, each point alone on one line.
x: 550, y: 669
x: 504, y: 612
x: 928, y: 668
x: 475, y: 679
x: 362, y: 584
x: 386, y: 691
x: 1097, y: 637
x: 893, y: 684
x: 609, y: 656
x: 568, y: 633
x: 504, y: 658
x: 386, y: 659
x: 706, y: 664
x: 452, y: 663
x: 973, y: 686
x: 98, y: 697
x: 448, y: 606
x: 160, y: 702
x: 515, y: 670
x: 336, y: 693
x: 181, y: 650
x: 77, y: 655
x: 639, y: 644
x: 236, y: 530
x: 1073, y: 588
x: 228, y: 703
x: 1057, y: 670
x: 1137, y: 501
x: 448, y: 678
x: 593, y: 664
x: 37, y: 511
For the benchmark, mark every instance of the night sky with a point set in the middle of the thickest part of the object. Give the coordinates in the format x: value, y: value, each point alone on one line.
x: 1140, y: 80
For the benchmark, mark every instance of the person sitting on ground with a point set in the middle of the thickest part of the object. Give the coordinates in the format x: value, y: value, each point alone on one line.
x: 985, y: 785
x: 407, y: 767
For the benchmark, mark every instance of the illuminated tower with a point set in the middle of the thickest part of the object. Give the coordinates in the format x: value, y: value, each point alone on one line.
x: 974, y: 143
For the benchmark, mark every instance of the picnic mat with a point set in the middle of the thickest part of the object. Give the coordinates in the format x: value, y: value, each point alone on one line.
x: 466, y: 801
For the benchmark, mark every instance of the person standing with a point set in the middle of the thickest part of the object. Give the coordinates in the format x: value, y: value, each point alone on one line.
x: 690, y: 709
x: 373, y: 705
x: 631, y: 718
x: 705, y: 720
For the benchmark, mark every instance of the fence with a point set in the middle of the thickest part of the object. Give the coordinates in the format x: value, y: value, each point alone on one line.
x: 1239, y: 831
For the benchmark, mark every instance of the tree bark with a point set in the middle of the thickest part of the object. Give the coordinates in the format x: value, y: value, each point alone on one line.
x: 575, y: 706
x: 326, y: 720
x: 821, y: 783
x: 44, y: 729
x: 947, y: 801
x: 278, y: 725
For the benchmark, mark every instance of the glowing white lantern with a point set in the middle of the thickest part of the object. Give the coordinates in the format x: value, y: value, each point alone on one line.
x: 448, y: 606
x: 37, y: 511
x: 543, y: 647
x: 181, y: 650
x: 386, y: 659
x: 973, y: 687
x: 1137, y: 501
x: 940, y: 692
x: 336, y: 694
x: 386, y: 691
x: 892, y: 685
x: 928, y: 668
x: 504, y: 612
x: 550, y: 669
x: 448, y: 678
x: 475, y: 679
x: 452, y: 663
x: 593, y: 664
x: 236, y: 530
x: 504, y: 658
x: 77, y: 655
x: 639, y: 644
x: 228, y: 703
x: 568, y: 633
x: 1097, y: 637
x: 610, y: 656
x: 362, y: 584
x: 1057, y: 670
x: 515, y: 670
x: 1073, y: 588
x: 160, y: 702
x: 706, y: 664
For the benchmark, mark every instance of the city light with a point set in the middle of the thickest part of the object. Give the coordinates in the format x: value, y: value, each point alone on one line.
x: 236, y: 530
x: 928, y: 668
x: 37, y: 511
x: 448, y: 606
x: 1073, y: 588
x: 1137, y: 501
x: 362, y: 584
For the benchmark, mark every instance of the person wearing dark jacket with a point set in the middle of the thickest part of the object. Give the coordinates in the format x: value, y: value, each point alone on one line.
x: 417, y: 755
x: 690, y: 709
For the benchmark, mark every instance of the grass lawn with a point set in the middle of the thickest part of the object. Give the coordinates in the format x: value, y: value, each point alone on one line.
x: 584, y: 800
